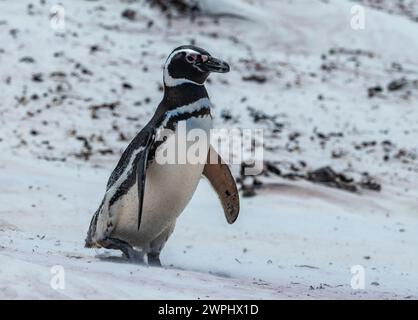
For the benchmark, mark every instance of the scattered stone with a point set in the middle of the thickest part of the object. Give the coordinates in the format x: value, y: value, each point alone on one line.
x: 37, y: 77
x: 94, y: 48
x: 306, y: 266
x: 324, y: 175
x: 329, y: 177
x: 27, y: 59
x: 129, y: 14
x: 256, y: 78
x: 183, y: 7
x: 105, y: 151
x: 369, y: 183
x: 127, y: 86
x: 95, y: 108
x: 374, y: 91
x: 86, y: 151
x: 397, y: 84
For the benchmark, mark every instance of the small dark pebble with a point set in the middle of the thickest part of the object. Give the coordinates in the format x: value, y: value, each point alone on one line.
x: 129, y: 14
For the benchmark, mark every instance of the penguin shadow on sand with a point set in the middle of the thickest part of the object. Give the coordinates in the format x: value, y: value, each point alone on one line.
x: 107, y: 257
x: 110, y: 257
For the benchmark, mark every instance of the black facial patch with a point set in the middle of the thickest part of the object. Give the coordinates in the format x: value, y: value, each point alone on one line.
x: 180, y: 68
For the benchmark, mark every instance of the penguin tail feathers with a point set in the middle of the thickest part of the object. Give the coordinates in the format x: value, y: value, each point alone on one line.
x: 88, y: 244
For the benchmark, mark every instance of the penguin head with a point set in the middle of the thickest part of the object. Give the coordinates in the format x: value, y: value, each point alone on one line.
x: 190, y: 64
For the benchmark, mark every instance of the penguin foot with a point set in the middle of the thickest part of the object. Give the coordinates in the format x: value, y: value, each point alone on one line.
x: 154, y: 259
x: 128, y: 251
x: 135, y: 256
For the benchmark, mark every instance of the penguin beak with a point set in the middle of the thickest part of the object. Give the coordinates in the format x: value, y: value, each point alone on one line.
x: 211, y: 64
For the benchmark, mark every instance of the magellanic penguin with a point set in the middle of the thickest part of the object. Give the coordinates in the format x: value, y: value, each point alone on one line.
x: 143, y: 197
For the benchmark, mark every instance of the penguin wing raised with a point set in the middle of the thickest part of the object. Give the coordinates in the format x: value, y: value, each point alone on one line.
x: 221, y: 179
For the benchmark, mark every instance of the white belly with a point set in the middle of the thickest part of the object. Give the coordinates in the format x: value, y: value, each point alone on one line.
x: 168, y: 189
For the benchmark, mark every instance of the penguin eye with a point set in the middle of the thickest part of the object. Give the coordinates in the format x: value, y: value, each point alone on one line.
x: 190, y: 58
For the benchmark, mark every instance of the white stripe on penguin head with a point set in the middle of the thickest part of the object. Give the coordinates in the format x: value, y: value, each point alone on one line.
x: 169, y: 81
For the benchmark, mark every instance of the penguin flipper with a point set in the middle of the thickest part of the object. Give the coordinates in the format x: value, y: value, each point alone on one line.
x: 141, y: 172
x: 221, y: 179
